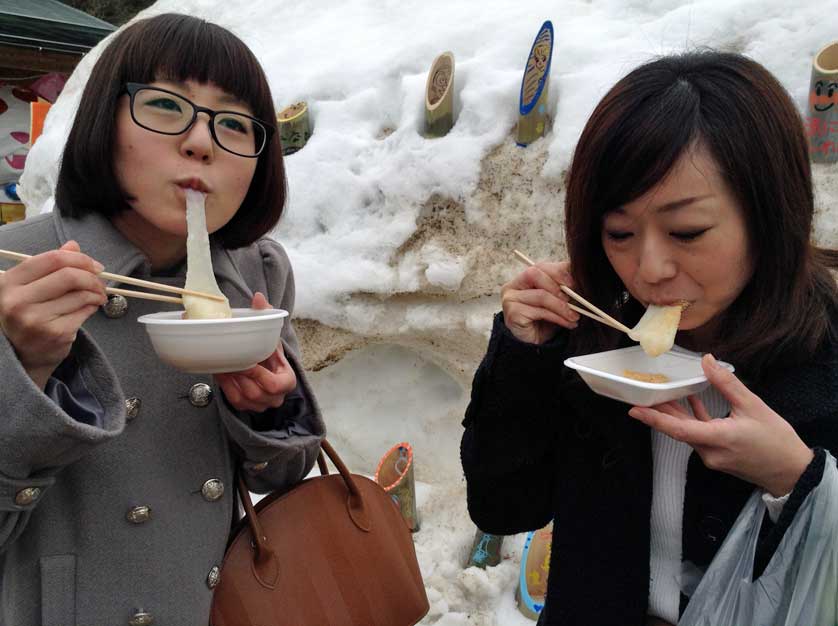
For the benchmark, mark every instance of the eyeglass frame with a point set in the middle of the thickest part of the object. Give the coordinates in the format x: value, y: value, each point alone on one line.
x: 132, y: 88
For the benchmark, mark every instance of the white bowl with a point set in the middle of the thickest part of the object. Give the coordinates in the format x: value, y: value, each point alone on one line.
x: 215, y: 346
x: 603, y: 371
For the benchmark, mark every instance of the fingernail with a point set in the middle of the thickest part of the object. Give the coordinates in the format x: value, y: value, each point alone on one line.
x: 712, y: 361
x: 634, y: 413
x: 98, y: 267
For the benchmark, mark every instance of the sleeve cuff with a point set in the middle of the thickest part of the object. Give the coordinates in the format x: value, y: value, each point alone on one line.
x: 67, y: 389
x: 775, y: 505
x: 769, y: 542
x: 280, y: 455
x: 38, y: 435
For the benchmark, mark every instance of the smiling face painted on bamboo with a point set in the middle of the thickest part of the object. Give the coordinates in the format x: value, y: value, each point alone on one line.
x: 684, y: 239
x: 154, y: 169
x: 824, y: 96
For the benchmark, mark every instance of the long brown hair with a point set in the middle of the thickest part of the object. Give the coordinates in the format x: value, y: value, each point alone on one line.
x: 179, y: 48
x: 739, y: 111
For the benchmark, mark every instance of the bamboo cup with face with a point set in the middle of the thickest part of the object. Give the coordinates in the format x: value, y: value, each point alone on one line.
x: 822, y: 122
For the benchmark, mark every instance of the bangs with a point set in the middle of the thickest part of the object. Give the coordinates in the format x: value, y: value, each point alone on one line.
x: 183, y: 48
x: 641, y: 146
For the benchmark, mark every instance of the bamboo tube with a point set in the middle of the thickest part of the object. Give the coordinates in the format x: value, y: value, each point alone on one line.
x: 531, y: 593
x: 439, y: 96
x: 485, y: 550
x: 822, y: 123
x: 294, y: 127
x: 11, y: 212
x: 532, y: 104
x: 395, y: 475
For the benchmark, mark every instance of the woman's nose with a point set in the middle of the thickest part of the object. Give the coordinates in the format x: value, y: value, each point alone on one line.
x: 197, y: 141
x: 656, y: 263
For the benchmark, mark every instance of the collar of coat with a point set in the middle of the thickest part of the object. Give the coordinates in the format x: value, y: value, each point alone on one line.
x: 98, y: 238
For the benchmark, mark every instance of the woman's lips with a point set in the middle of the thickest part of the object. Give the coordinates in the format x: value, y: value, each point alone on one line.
x: 682, y: 302
x: 194, y: 183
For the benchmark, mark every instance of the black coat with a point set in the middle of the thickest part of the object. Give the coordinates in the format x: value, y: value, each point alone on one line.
x: 539, y: 445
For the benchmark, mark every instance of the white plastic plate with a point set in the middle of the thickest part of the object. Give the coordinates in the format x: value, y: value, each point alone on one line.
x: 603, y: 372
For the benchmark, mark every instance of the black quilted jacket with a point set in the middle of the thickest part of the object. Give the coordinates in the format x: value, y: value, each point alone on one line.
x: 539, y: 445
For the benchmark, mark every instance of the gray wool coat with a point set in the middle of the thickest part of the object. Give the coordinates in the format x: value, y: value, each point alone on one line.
x: 127, y: 523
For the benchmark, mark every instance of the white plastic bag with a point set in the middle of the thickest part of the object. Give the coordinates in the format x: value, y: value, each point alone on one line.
x: 799, y: 586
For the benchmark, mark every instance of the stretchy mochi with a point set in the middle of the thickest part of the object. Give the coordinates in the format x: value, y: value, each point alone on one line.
x: 656, y: 329
x: 199, y: 276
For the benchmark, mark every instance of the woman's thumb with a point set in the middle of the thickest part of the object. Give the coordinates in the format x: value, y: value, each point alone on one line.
x: 260, y: 301
x: 725, y: 381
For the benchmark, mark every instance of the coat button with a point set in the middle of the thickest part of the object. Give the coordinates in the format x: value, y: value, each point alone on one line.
x: 200, y: 395
x: 612, y: 457
x: 141, y: 618
x: 27, y: 496
x: 712, y: 528
x: 138, y: 514
x: 583, y: 428
x: 132, y: 407
x: 116, y: 306
x: 212, y: 490
x: 213, y: 577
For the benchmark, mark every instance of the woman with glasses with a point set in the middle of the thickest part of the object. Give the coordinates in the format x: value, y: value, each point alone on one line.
x: 691, y: 181
x: 117, y: 487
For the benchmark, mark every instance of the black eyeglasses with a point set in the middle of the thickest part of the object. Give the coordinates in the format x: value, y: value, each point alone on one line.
x: 165, y: 112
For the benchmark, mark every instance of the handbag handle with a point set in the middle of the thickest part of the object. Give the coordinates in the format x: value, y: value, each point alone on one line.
x: 355, y: 506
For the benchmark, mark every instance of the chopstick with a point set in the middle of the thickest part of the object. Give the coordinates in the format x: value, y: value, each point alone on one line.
x: 17, y: 256
x: 601, y: 317
x: 138, y: 294
x: 144, y: 295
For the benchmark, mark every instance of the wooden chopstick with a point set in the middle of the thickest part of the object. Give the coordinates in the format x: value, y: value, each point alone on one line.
x: 144, y: 295
x: 582, y: 311
x: 138, y: 294
x: 601, y: 317
x: 17, y: 256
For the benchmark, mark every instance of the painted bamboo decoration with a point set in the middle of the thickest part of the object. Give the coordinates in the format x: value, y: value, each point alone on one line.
x: 485, y: 550
x: 535, y: 566
x: 532, y: 104
x: 395, y: 475
x: 294, y: 127
x: 11, y: 208
x: 822, y: 125
x: 11, y: 212
x: 439, y: 96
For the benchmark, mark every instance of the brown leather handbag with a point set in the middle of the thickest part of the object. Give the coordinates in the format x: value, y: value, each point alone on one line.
x: 333, y: 551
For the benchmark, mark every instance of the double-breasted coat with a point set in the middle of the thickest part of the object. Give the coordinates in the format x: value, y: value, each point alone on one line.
x: 125, y: 521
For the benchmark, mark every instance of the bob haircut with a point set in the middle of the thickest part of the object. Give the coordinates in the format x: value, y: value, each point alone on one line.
x: 736, y: 109
x: 178, y: 48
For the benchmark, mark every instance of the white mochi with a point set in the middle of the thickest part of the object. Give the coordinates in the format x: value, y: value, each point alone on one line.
x: 199, y: 275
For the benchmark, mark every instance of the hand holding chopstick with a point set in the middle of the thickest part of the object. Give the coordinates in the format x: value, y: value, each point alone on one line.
x: 138, y: 294
x: 593, y: 312
x: 16, y: 256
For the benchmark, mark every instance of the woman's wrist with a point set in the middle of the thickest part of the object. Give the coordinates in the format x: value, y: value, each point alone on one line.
x: 784, y: 481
